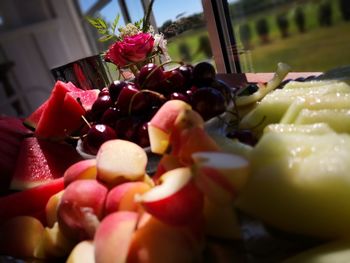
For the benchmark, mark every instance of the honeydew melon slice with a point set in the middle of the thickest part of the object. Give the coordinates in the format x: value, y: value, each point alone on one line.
x: 308, y: 84
x: 300, y: 183
x: 316, y: 128
x: 337, y: 119
x: 329, y: 101
x: 273, y: 108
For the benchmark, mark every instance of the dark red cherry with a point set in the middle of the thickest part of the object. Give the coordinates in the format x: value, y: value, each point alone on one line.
x: 150, y: 77
x: 180, y: 96
x: 187, y: 72
x: 97, y: 134
x: 208, y: 102
x: 100, y: 105
x: 142, y: 137
x: 115, y: 88
x: 111, y: 115
x: 174, y: 81
x: 203, y: 74
x: 104, y: 91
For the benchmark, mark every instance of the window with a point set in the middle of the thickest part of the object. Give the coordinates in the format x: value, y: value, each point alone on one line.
x: 181, y: 21
x: 308, y: 35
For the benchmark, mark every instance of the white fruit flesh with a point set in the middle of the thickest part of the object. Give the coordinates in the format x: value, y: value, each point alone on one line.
x: 171, y: 182
x: 159, y: 140
x: 120, y: 158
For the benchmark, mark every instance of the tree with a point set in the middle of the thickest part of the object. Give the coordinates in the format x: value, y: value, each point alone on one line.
x: 299, y: 19
x: 283, y: 24
x: 262, y: 28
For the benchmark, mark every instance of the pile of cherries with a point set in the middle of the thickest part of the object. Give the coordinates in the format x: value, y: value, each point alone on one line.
x: 124, y: 108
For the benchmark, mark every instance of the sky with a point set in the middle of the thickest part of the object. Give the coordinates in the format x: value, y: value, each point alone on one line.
x: 163, y: 9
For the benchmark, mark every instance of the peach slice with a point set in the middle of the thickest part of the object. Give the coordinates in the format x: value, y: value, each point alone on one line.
x: 167, y: 162
x: 155, y: 241
x: 161, y: 125
x: 190, y: 141
x: 51, y: 208
x: 185, y: 121
x: 53, y: 244
x: 85, y: 169
x: 82, y: 252
x: 176, y: 200
x: 19, y: 236
x: 220, y: 175
x: 114, y: 235
x: 81, y: 208
x: 121, y: 197
x: 120, y: 160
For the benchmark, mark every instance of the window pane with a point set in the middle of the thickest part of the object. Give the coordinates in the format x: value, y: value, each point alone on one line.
x: 135, y: 10
x: 183, y: 25
x: 307, y: 35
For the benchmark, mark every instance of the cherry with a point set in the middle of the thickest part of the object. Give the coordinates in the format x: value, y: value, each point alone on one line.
x: 208, y: 102
x: 190, y: 91
x: 174, y: 81
x: 224, y: 89
x: 126, y: 128
x: 180, y: 96
x: 104, y: 91
x: 125, y: 96
x: 203, y: 74
x: 97, y: 134
x: 150, y: 77
x: 111, y: 115
x: 186, y: 71
x: 115, y: 87
x: 101, y: 104
x: 244, y: 136
x: 142, y: 137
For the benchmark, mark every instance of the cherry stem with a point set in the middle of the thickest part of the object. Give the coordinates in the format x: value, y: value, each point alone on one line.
x: 86, y: 121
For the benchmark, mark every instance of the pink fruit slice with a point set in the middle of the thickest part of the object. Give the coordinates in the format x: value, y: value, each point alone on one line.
x: 114, y: 235
x: 29, y: 202
x: 85, y: 97
x: 41, y: 161
x: 176, y: 200
x: 33, y: 119
x: 62, y: 115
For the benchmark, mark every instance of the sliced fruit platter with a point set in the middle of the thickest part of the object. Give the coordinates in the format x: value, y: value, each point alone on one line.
x: 231, y: 160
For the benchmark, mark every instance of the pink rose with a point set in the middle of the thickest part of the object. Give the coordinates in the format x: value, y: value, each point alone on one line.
x: 131, y: 49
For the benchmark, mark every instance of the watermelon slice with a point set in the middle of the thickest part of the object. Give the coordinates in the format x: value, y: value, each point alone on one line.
x: 85, y: 97
x: 31, y: 202
x: 32, y: 121
x: 12, y: 132
x: 41, y: 161
x: 62, y: 115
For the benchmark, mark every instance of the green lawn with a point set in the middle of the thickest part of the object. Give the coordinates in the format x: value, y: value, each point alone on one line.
x: 317, y: 50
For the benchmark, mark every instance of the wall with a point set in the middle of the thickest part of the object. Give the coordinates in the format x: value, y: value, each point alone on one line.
x: 37, y: 35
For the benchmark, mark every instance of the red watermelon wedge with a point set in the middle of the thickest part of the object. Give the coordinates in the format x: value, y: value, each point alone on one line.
x: 31, y: 202
x: 62, y: 115
x: 12, y: 132
x: 41, y: 161
x: 32, y: 120
x: 85, y: 97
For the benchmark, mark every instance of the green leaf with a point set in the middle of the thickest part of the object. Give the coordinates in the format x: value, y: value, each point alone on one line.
x: 102, y: 23
x: 115, y: 23
x: 98, y: 23
x: 139, y: 23
x: 105, y: 38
